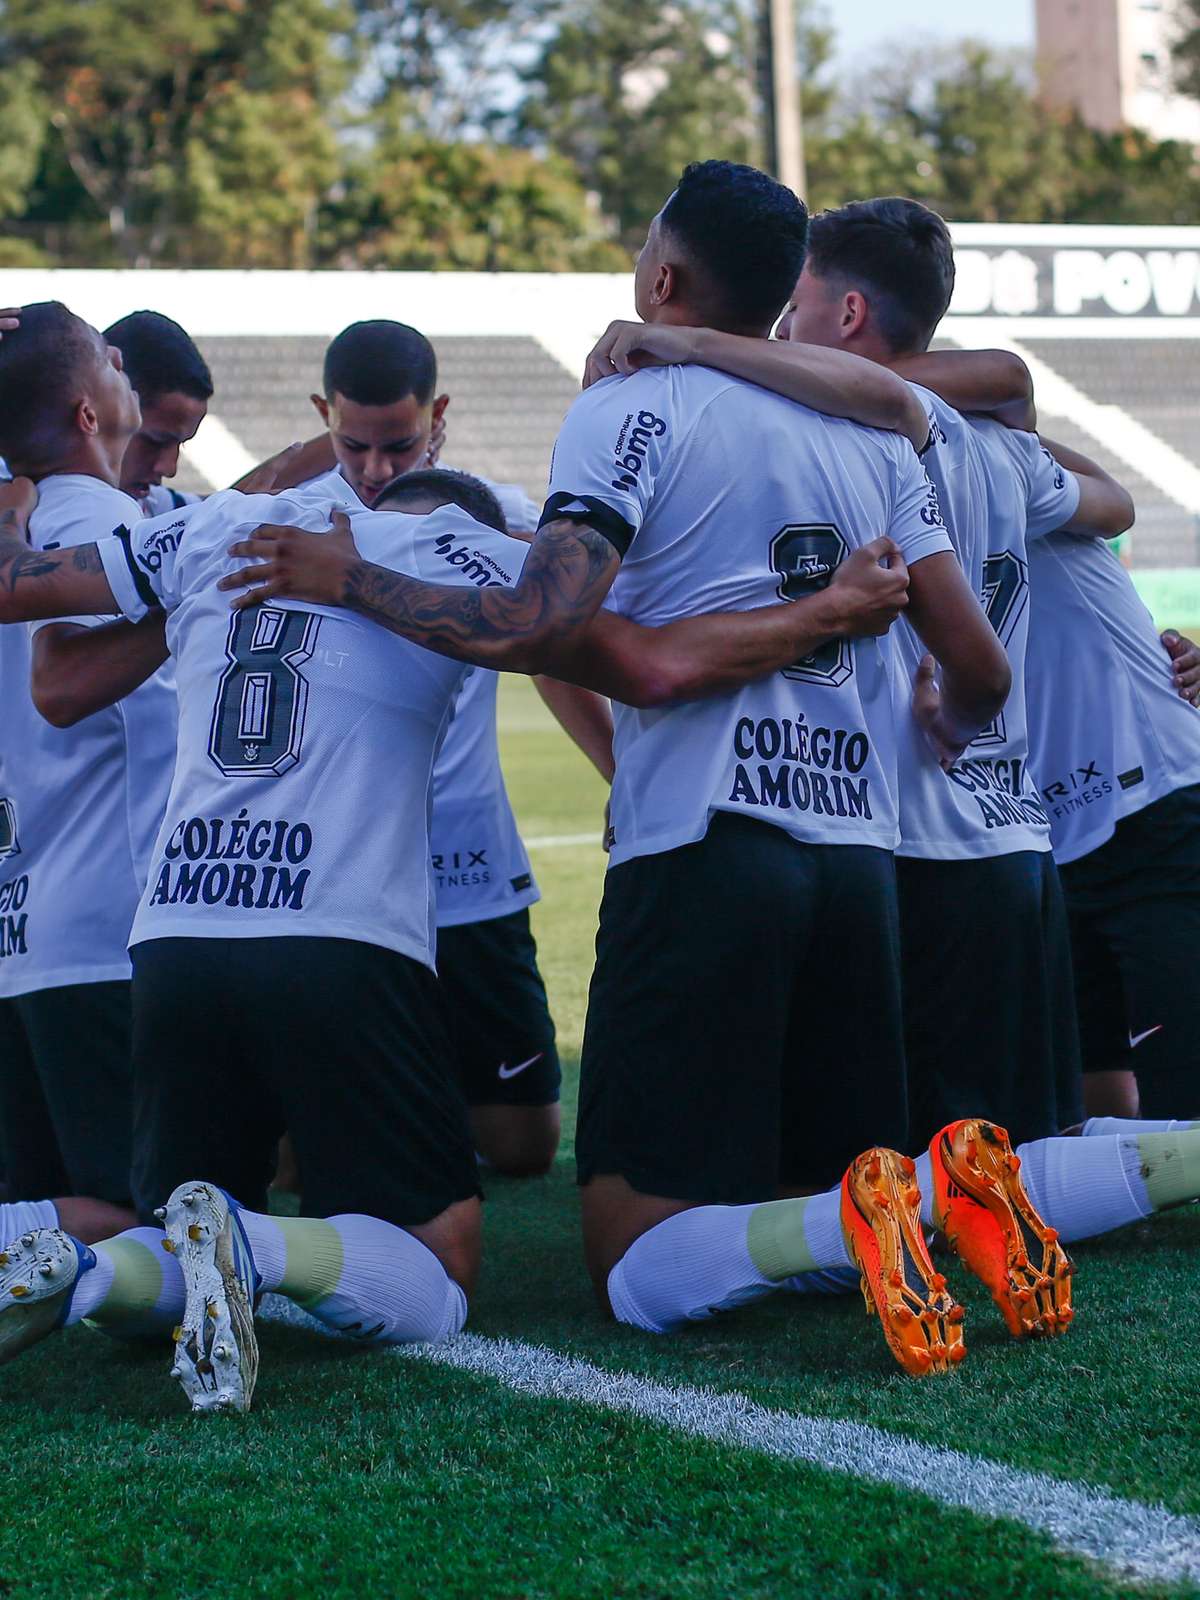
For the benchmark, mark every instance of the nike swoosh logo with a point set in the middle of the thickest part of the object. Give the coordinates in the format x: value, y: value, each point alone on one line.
x: 510, y: 1072
x: 1136, y: 1039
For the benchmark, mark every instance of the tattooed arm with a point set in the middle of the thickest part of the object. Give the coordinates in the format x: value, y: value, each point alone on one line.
x: 567, y: 573
x: 45, y: 583
x: 78, y: 671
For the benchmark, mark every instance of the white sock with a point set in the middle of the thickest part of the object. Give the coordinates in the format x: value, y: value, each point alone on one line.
x: 706, y: 1260
x: 1105, y: 1127
x: 359, y: 1275
x: 134, y: 1288
x: 924, y: 1167
x: 1084, y: 1187
x: 22, y: 1216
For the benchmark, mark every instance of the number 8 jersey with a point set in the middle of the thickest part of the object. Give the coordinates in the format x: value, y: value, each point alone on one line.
x: 307, y: 736
x: 726, y: 497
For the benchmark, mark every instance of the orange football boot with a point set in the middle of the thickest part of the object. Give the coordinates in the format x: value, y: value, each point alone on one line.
x: 881, y: 1221
x: 980, y: 1204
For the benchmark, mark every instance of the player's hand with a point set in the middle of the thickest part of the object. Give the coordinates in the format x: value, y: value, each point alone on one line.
x: 293, y: 564
x: 437, y: 438
x: 262, y: 479
x: 627, y: 347
x: 10, y: 318
x: 869, y: 589
x: 1185, y: 664
x: 927, y: 712
x: 21, y: 497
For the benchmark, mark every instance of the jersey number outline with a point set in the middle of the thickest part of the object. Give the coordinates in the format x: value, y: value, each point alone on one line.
x: 258, y: 719
x: 1004, y: 598
x: 806, y: 555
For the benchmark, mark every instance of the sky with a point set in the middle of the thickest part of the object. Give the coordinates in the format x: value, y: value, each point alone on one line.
x: 860, y: 25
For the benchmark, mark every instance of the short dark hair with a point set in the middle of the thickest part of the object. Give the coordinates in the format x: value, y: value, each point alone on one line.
x: 458, y: 488
x: 746, y: 235
x: 378, y: 363
x: 898, y: 249
x: 160, y: 357
x: 45, y: 364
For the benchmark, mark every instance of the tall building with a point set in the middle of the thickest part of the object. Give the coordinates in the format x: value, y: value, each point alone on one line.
x: 1111, y: 60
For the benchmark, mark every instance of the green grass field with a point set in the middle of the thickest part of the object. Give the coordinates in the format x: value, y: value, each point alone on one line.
x: 371, y: 1474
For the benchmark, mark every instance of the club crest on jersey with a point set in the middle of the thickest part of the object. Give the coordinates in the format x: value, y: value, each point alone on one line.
x: 9, y: 843
x: 632, y: 446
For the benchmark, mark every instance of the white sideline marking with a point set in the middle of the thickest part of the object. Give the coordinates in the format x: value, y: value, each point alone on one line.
x: 217, y: 454
x: 563, y: 841
x: 1141, y: 1541
x: 1115, y: 428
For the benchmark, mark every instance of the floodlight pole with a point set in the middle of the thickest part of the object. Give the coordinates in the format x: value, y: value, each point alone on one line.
x: 781, y: 93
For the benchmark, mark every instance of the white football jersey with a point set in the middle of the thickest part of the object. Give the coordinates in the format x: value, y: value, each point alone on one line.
x: 995, y: 487
x: 1109, y: 733
x: 300, y: 799
x: 480, y: 868
x: 162, y: 499
x: 80, y: 806
x: 733, y: 497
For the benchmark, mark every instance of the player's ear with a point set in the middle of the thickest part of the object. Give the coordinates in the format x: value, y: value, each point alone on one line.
x: 85, y: 418
x: 666, y: 284
x: 853, y: 314
x: 440, y: 403
x: 322, y: 407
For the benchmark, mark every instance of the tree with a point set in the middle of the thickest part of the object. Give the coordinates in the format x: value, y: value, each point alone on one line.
x: 413, y: 203
x: 630, y: 93
x: 134, y: 86
x: 1187, y: 48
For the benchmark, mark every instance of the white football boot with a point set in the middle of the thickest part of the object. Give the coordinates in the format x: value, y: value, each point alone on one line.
x: 216, y: 1352
x: 38, y: 1274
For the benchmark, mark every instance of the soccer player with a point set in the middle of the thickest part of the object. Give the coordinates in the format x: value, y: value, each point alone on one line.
x: 747, y: 976
x: 173, y: 386
x: 381, y: 406
x: 83, y: 783
x: 877, y: 281
x: 1116, y: 754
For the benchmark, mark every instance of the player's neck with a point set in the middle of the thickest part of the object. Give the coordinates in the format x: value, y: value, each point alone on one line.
x: 682, y: 315
x: 91, y: 457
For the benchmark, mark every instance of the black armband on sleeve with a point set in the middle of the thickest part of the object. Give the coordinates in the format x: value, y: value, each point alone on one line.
x: 596, y: 513
x: 141, y: 582
x: 927, y: 446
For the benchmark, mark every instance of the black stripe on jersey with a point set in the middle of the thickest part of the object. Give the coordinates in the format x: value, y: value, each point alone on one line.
x: 596, y: 513
x: 140, y: 581
x: 928, y: 445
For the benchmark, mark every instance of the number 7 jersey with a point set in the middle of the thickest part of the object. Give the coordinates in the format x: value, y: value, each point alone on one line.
x: 307, y: 736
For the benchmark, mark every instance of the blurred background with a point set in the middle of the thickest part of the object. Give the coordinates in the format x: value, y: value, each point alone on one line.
x: 267, y: 172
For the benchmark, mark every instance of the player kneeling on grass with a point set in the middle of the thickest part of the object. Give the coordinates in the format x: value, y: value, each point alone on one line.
x: 308, y: 1036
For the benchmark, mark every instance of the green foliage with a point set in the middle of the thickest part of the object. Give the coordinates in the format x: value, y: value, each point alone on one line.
x: 416, y: 204
x: 631, y: 93
x: 496, y: 134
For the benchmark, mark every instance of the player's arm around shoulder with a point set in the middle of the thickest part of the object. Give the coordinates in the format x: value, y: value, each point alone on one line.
x: 477, y: 615
x: 36, y: 584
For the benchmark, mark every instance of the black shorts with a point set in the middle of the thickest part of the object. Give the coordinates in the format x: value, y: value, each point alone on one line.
x: 989, y: 1011
x: 66, y: 1092
x: 497, y: 1013
x: 340, y: 1043
x: 743, y: 1026
x: 1134, y: 909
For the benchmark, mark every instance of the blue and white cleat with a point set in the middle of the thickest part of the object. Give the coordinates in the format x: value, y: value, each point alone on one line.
x: 216, y: 1352
x: 38, y: 1274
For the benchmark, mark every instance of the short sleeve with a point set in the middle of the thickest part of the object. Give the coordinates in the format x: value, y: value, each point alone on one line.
x: 140, y: 562
x: 611, y: 448
x: 917, y: 525
x: 449, y: 546
x: 1053, y: 495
